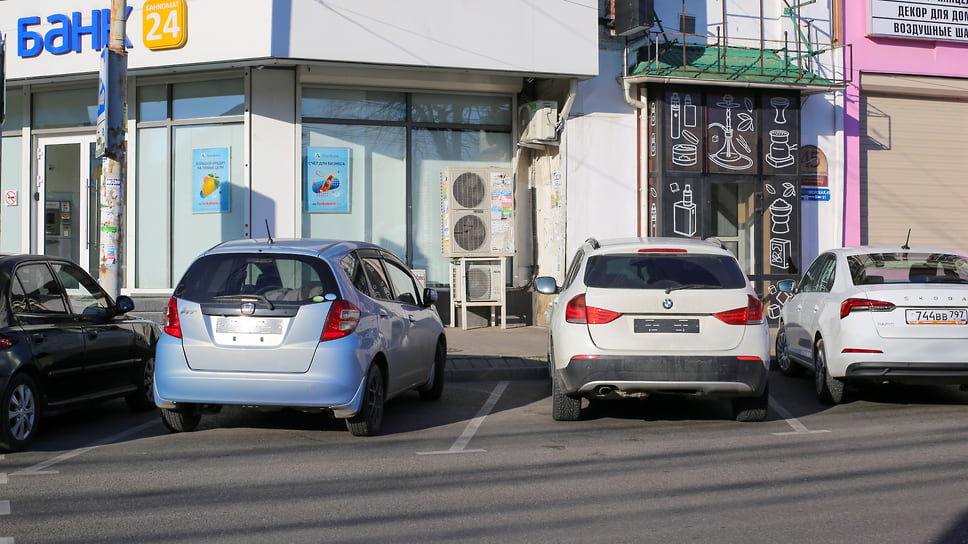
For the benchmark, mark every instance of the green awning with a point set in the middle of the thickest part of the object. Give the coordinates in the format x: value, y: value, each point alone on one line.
x: 718, y: 63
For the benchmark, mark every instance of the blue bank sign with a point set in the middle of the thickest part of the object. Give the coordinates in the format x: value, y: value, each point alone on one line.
x: 67, y: 34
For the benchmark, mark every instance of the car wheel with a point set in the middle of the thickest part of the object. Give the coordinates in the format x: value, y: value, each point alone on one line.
x: 144, y: 398
x: 434, y: 389
x: 752, y: 408
x: 20, y: 413
x: 829, y: 390
x: 563, y: 407
x: 783, y: 361
x: 182, y: 419
x: 370, y: 417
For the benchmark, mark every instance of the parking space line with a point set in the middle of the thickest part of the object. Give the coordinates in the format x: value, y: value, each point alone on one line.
x: 40, y: 468
x: 474, y: 424
x: 798, y: 428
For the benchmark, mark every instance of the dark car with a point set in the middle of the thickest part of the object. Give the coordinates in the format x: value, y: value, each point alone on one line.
x: 63, y: 341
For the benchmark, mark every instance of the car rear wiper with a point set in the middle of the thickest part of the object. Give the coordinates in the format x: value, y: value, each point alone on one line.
x: 247, y: 296
x: 688, y: 286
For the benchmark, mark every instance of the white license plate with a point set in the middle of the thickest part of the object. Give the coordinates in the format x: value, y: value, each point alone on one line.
x: 248, y: 325
x: 947, y: 316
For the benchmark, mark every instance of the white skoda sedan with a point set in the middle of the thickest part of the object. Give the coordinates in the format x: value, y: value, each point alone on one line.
x: 877, y: 315
x: 317, y: 325
x: 644, y: 316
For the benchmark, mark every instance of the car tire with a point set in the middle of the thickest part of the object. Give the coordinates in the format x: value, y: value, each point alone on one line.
x: 434, y: 389
x: 563, y: 407
x: 783, y: 361
x: 20, y: 413
x: 144, y: 399
x: 752, y: 408
x: 830, y: 390
x: 183, y: 419
x: 369, y: 419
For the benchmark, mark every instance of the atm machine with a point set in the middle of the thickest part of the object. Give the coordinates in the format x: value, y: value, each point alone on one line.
x: 58, y: 228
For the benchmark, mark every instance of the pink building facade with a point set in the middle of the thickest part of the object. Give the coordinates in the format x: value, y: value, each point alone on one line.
x: 905, y: 123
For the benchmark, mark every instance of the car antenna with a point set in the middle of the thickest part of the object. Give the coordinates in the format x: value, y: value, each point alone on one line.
x: 908, y: 241
x: 268, y: 234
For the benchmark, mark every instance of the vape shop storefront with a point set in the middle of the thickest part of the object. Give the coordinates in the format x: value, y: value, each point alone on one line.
x: 724, y: 162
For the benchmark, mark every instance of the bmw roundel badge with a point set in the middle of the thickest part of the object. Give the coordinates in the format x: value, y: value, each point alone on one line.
x: 667, y: 304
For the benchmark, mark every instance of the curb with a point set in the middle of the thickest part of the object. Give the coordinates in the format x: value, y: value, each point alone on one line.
x: 469, y: 368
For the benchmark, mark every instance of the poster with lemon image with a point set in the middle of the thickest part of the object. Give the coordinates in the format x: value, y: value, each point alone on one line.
x: 327, y: 180
x: 211, y: 190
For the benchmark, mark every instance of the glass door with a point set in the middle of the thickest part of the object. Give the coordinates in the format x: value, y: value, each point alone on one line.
x: 67, y: 199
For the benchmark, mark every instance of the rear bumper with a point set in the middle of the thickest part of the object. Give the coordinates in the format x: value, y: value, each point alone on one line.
x: 923, y: 373
x: 333, y: 382
x: 708, y: 376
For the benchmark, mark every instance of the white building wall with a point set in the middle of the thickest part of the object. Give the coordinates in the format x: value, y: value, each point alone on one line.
x: 274, y: 150
x: 601, y: 159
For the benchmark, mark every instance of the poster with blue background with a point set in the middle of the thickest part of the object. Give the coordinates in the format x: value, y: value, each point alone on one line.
x: 211, y: 189
x: 327, y: 180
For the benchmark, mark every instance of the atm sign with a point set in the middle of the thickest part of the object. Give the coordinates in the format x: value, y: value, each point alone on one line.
x: 165, y: 24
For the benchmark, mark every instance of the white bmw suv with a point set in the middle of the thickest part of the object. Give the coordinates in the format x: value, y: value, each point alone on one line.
x: 642, y: 316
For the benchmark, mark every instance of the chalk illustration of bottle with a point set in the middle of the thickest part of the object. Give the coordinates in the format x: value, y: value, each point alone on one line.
x: 684, y: 215
x: 675, y: 117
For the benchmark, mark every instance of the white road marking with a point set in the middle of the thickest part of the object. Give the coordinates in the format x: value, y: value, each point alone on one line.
x: 798, y: 428
x: 40, y: 468
x: 474, y: 424
x: 4, y: 508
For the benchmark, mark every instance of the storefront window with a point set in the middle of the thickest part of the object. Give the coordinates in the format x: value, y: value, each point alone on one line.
x: 472, y: 131
x: 370, y: 202
x: 354, y: 104
x: 152, y: 103
x: 190, y: 182
x: 469, y: 110
x: 67, y: 108
x: 208, y: 99
x: 11, y: 174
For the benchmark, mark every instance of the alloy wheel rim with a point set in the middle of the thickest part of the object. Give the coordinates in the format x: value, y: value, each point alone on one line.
x: 376, y: 399
x: 22, y: 412
x: 781, y: 351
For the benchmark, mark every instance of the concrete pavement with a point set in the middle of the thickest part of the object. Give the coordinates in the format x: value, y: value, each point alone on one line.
x: 493, y: 353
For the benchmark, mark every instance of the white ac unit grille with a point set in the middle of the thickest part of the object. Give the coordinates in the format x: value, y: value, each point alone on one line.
x: 484, y: 282
x: 469, y: 191
x: 470, y: 232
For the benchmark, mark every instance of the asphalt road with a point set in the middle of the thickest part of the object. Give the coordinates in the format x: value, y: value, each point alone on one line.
x: 488, y: 464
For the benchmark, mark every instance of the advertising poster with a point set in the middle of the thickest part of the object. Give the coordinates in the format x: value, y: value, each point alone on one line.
x: 210, y: 177
x: 327, y: 181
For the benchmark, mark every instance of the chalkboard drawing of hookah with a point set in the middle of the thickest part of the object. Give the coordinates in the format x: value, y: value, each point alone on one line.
x: 683, y: 115
x: 653, y: 219
x: 728, y: 156
x: 684, y: 214
x: 780, y: 155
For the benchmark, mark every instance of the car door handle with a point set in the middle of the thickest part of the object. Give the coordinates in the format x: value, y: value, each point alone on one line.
x: 92, y: 334
x: 38, y: 338
x: 384, y: 315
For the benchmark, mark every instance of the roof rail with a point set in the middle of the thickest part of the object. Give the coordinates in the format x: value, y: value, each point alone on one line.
x: 593, y: 241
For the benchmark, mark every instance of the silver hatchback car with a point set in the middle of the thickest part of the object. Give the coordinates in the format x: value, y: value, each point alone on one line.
x: 643, y: 316
x: 317, y: 325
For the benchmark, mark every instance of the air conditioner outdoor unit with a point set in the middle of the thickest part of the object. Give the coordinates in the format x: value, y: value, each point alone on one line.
x: 474, y: 201
x: 538, y: 121
x: 484, y: 282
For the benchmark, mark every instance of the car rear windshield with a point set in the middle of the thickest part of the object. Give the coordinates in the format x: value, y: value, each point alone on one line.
x: 907, y: 267
x: 292, y: 279
x: 664, y: 271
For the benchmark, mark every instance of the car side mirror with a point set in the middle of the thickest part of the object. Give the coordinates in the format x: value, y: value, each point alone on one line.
x: 546, y: 285
x: 429, y: 297
x: 123, y: 304
x: 786, y: 286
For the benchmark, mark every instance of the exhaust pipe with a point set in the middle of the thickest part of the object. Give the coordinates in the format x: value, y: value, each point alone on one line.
x: 605, y: 390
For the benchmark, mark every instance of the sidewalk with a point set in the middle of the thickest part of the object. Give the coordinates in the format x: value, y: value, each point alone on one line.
x: 493, y: 353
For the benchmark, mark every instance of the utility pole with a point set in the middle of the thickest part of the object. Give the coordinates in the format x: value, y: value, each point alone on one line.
x: 110, y: 146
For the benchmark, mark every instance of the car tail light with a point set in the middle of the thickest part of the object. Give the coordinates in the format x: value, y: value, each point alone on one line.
x: 578, y: 312
x: 341, y: 321
x: 752, y: 314
x: 860, y: 350
x: 172, y: 323
x: 863, y: 304
x: 7, y: 342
